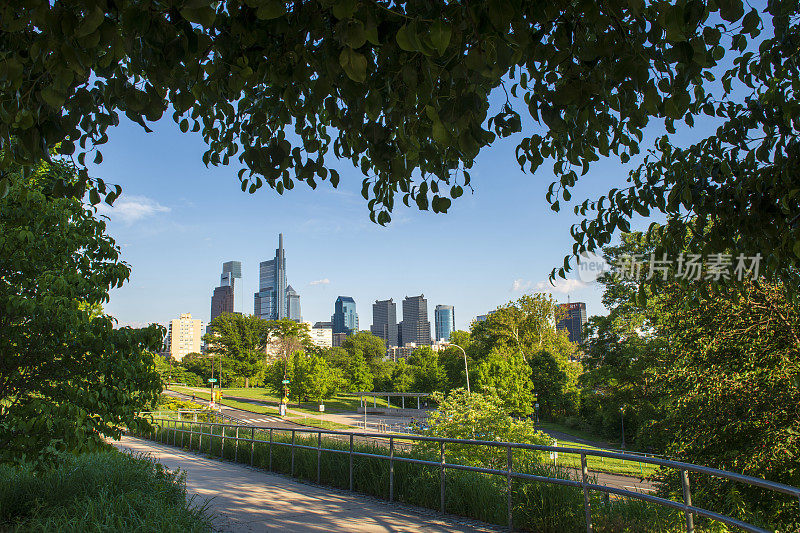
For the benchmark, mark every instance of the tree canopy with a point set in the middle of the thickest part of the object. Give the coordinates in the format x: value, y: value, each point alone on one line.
x: 402, y: 90
x: 68, y: 376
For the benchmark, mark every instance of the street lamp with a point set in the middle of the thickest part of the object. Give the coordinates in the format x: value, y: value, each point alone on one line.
x: 622, y: 419
x: 465, y: 364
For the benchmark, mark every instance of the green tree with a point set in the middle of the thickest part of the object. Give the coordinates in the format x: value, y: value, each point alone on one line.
x: 480, y: 416
x: 68, y: 376
x: 312, y: 378
x: 429, y: 376
x: 402, y: 377
x: 592, y: 76
x: 241, y: 341
x: 372, y: 347
x: 729, y: 394
x: 452, y: 360
x: 505, y: 374
x: 358, y: 374
x: 285, y: 337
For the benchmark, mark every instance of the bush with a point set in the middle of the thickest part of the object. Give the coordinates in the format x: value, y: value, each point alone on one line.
x: 101, y: 491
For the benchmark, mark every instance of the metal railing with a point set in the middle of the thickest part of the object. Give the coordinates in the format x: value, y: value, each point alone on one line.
x: 690, y: 511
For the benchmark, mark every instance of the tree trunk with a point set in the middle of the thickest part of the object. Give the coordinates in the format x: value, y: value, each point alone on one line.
x: 246, y: 383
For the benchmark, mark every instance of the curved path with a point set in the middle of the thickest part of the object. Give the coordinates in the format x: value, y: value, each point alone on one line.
x: 244, y: 499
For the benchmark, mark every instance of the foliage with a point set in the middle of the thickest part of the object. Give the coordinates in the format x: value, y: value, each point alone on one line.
x: 241, y: 340
x: 429, y: 376
x: 310, y: 377
x: 505, y: 375
x: 285, y: 337
x: 170, y: 373
x: 68, y: 377
x: 452, y: 360
x: 402, y: 89
x: 372, y: 347
x: 729, y: 390
x: 358, y: 374
x: 527, y: 326
x: 101, y: 491
x: 402, y: 376
x: 463, y: 415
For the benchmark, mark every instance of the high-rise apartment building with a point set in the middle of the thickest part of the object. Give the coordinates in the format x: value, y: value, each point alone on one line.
x: 224, y: 297
x: 384, y: 321
x: 275, y: 299
x: 574, y: 321
x: 185, y: 336
x: 345, y: 318
x: 445, y: 320
x: 415, y: 326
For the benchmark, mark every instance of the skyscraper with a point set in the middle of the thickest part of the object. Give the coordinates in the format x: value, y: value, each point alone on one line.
x: 445, y: 319
x: 223, y: 299
x: 272, y: 301
x: 293, y: 305
x: 384, y: 321
x: 345, y: 318
x: 574, y: 321
x: 415, y: 326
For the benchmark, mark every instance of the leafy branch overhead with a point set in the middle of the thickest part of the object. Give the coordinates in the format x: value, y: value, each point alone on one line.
x: 402, y: 90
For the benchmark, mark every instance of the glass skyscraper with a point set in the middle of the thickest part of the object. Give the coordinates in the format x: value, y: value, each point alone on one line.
x: 445, y: 318
x: 274, y: 296
x: 345, y: 318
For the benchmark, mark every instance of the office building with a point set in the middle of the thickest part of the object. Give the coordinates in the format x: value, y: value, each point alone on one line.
x: 338, y: 338
x: 322, y: 336
x: 574, y: 322
x: 384, y: 321
x: 293, y: 305
x: 445, y: 320
x: 275, y: 299
x: 345, y: 318
x: 328, y: 325
x: 224, y: 297
x: 415, y: 327
x: 185, y: 336
x: 482, y: 318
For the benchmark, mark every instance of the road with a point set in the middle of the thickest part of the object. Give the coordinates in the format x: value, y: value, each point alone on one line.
x: 247, y: 500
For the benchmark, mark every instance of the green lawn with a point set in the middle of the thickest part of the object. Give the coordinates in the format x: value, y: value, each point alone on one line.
x: 338, y: 404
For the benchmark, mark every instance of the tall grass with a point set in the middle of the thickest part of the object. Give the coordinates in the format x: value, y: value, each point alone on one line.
x: 104, y: 491
x: 537, y: 506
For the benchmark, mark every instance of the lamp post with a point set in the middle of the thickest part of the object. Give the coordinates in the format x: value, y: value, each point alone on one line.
x: 622, y: 420
x: 466, y: 369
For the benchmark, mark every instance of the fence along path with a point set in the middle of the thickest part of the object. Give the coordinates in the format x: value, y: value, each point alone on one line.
x: 170, y: 429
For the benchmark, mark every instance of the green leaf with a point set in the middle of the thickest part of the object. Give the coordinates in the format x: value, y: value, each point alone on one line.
x: 797, y: 248
x: 354, y: 65
x: 731, y: 10
x: 91, y: 22
x: 204, y: 16
x: 355, y: 36
x: 404, y: 39
x: 440, y: 36
x: 271, y: 10
x: 344, y: 9
x: 440, y: 133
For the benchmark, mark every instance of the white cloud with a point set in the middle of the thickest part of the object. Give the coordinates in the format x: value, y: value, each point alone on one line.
x: 520, y: 285
x: 323, y: 281
x: 130, y: 209
x: 562, y: 286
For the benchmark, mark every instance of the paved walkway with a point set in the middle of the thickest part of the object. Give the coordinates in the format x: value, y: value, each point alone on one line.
x: 246, y: 500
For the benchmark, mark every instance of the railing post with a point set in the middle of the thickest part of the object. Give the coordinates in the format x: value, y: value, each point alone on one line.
x: 586, y: 504
x: 222, y: 445
x: 270, y: 449
x: 508, y: 483
x: 252, y: 444
x: 236, y: 450
x: 441, y: 476
x: 391, y: 469
x: 319, y: 452
x: 292, y: 453
x: 200, y: 439
x: 687, y: 500
x: 351, y: 462
x: 191, y: 434
x: 174, y: 432
x: 183, y: 430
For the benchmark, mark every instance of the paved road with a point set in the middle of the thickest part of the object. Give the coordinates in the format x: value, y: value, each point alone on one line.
x: 246, y: 500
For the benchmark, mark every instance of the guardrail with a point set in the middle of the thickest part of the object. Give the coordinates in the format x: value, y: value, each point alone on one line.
x: 179, y: 427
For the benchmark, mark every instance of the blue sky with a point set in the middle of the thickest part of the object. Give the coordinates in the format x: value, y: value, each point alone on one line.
x: 177, y: 222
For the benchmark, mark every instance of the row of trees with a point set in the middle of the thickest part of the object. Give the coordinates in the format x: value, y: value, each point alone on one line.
x: 517, y: 355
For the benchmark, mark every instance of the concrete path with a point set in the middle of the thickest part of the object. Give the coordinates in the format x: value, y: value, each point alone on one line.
x: 246, y: 500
